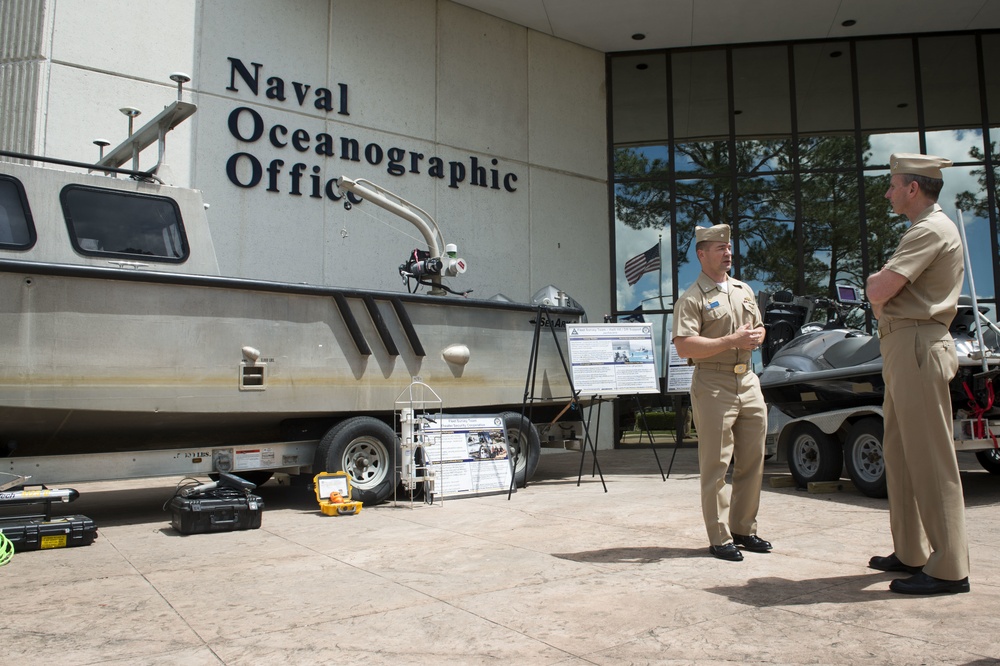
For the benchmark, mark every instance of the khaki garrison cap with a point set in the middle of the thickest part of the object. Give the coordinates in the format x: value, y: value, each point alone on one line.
x: 915, y: 164
x: 719, y: 232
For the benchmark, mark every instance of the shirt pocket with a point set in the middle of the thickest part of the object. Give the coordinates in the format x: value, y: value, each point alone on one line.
x: 718, y: 313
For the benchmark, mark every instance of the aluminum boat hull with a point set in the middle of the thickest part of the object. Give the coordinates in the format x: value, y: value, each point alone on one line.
x: 100, y: 359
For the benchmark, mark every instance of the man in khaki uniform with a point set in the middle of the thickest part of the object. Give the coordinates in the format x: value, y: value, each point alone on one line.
x: 716, y: 326
x: 915, y: 297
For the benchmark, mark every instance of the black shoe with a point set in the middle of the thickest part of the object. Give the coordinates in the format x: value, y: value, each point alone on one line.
x: 892, y: 563
x: 753, y: 543
x: 727, y: 551
x: 921, y: 583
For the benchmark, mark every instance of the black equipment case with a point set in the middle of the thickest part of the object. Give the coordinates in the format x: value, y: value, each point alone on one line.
x: 222, y: 510
x: 33, y: 533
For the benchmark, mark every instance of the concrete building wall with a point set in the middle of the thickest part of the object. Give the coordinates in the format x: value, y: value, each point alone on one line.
x: 24, y: 27
x: 429, y: 77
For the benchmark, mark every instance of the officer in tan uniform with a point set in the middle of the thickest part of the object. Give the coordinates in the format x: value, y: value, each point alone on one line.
x: 915, y: 297
x: 716, y: 326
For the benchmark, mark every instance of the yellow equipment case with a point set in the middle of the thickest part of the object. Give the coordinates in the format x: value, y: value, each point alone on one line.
x: 333, y: 492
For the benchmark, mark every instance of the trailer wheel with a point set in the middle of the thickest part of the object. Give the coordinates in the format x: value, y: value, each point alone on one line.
x: 813, y: 455
x: 367, y: 449
x: 864, y: 458
x: 990, y: 460
x: 522, y: 440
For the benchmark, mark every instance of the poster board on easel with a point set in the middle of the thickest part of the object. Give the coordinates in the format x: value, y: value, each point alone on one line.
x: 612, y: 359
x: 471, y: 456
x: 679, y: 373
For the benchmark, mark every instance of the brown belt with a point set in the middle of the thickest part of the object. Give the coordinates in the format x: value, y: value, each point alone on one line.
x: 739, y: 368
x: 898, y: 324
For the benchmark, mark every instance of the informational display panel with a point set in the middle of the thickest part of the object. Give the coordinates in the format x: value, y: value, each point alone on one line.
x: 612, y: 359
x: 679, y: 373
x: 472, y: 458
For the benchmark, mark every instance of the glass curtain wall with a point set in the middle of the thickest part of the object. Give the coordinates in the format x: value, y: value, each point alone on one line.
x: 789, y: 144
x: 643, y: 192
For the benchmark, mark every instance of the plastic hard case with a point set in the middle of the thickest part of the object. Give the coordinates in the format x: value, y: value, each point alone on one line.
x: 326, y: 483
x: 41, y: 534
x: 216, y: 512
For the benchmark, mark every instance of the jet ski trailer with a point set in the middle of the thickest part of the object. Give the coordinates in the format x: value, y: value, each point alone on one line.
x: 124, y: 353
x: 824, y: 389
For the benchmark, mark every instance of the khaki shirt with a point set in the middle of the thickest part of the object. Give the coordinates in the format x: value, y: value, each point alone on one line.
x: 930, y: 256
x: 705, y: 310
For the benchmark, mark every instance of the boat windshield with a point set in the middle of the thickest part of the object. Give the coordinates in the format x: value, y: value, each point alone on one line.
x: 16, y: 230
x: 109, y: 223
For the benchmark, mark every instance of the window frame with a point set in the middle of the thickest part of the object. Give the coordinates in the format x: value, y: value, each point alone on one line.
x: 26, y: 212
x: 74, y: 237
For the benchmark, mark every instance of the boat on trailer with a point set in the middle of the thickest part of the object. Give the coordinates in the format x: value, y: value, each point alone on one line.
x: 118, y: 335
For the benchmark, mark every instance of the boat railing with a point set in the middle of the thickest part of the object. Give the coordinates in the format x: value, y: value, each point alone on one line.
x: 141, y: 175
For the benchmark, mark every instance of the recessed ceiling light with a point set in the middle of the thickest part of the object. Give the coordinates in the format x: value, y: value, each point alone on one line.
x: 848, y: 23
x: 836, y: 54
x: 638, y: 36
x: 641, y: 66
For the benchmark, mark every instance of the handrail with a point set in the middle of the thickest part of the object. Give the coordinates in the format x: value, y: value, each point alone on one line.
x: 82, y: 165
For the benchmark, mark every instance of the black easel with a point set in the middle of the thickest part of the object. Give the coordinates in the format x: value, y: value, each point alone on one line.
x: 574, y: 397
x: 598, y: 400
x: 649, y: 433
x: 679, y: 422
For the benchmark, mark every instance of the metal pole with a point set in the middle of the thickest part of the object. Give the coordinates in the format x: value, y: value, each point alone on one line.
x: 663, y: 317
x: 972, y: 288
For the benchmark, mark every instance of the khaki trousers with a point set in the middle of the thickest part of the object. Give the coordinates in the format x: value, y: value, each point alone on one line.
x: 731, y: 420
x: 926, y: 506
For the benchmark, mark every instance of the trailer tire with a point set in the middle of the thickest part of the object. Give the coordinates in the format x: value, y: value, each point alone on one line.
x: 864, y: 457
x: 524, y: 443
x: 367, y: 449
x: 990, y: 460
x: 813, y: 455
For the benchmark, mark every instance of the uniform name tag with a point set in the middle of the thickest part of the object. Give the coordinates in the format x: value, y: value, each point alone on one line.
x: 712, y: 305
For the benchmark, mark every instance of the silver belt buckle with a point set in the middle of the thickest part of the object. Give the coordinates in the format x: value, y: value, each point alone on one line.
x: 740, y: 368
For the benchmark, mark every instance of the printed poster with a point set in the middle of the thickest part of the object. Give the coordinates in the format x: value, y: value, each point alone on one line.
x: 679, y: 373
x: 612, y: 359
x: 468, y: 455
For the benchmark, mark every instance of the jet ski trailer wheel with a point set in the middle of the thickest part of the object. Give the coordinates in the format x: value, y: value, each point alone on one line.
x: 367, y: 449
x: 864, y: 458
x: 813, y: 455
x: 990, y: 460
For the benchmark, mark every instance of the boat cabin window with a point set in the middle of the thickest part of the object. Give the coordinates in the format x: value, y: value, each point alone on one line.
x: 17, y: 231
x: 106, y: 223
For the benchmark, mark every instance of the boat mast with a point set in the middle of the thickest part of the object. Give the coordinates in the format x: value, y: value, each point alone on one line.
x: 155, y: 130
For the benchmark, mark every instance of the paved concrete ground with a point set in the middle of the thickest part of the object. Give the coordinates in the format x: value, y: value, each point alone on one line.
x: 560, y: 574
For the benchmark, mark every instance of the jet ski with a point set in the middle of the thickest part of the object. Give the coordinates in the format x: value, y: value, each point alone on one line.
x: 821, y: 366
